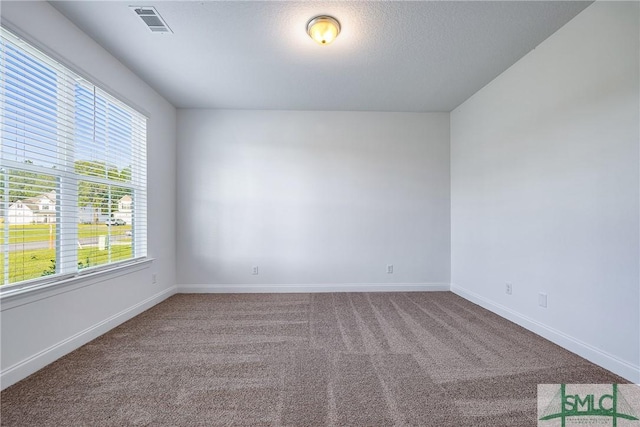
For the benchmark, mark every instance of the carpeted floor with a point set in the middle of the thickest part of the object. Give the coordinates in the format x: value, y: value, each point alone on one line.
x: 344, y: 359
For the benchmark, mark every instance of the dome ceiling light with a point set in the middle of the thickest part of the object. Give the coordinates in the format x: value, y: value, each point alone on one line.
x: 323, y: 29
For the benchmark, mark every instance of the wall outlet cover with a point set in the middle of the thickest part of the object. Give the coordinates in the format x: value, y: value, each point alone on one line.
x: 542, y: 300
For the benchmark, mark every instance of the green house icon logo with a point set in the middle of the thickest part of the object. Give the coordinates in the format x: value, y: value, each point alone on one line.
x: 609, y: 405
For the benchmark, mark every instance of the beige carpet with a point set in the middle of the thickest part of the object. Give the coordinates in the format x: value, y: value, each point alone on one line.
x: 344, y: 359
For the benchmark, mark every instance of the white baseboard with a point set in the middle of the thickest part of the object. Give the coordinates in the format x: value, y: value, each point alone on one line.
x: 608, y: 361
x: 30, y: 365
x: 313, y: 288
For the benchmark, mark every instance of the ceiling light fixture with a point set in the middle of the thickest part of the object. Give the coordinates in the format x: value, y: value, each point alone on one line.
x: 323, y: 29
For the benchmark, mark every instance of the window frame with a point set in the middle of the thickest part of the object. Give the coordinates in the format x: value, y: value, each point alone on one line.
x: 66, y: 275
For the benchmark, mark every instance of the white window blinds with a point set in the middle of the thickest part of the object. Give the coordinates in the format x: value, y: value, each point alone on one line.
x: 72, y: 171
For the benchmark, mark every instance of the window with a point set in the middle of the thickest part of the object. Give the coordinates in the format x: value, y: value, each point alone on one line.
x: 72, y: 171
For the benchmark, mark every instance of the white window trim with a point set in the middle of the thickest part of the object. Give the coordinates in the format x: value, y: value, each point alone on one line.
x: 67, y: 282
x: 11, y: 297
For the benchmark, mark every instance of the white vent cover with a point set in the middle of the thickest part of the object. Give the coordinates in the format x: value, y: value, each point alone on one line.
x: 151, y: 19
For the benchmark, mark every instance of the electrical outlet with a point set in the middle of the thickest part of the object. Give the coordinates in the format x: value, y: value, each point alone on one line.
x: 542, y: 300
x: 154, y: 278
x: 254, y: 270
x: 508, y: 288
x: 389, y: 268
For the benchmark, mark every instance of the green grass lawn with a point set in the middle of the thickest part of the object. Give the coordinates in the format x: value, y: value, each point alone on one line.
x: 25, y: 265
x: 23, y: 233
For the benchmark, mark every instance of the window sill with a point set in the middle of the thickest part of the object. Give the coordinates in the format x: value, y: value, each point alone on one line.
x: 11, y: 298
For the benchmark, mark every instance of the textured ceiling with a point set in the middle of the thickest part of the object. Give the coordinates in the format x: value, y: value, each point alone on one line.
x: 390, y: 56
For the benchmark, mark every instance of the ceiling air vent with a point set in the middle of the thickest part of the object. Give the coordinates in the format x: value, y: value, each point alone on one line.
x: 152, y: 19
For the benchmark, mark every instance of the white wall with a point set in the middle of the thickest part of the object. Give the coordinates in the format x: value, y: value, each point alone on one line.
x: 41, y: 327
x: 317, y: 200
x: 545, y: 189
